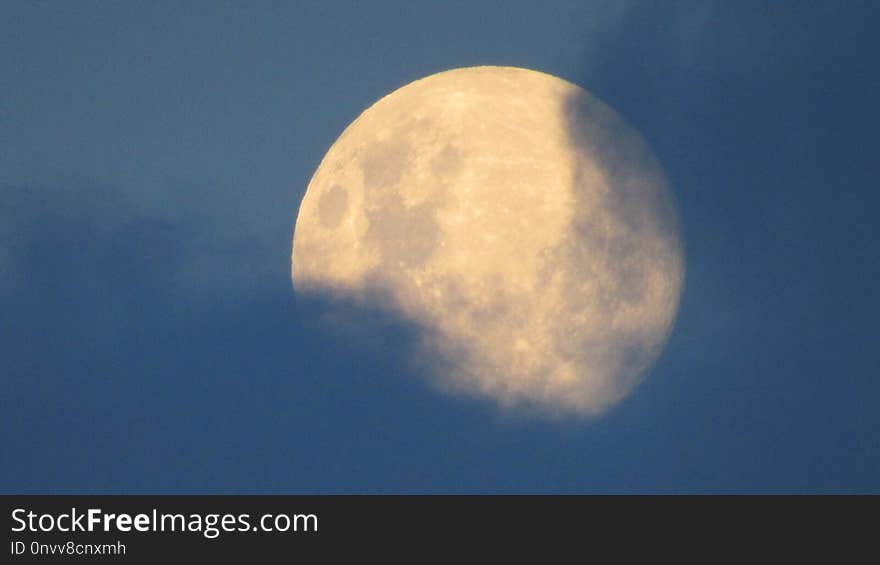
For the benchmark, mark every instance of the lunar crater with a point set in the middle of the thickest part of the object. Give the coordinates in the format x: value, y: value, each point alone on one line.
x: 401, y: 233
x: 332, y: 206
x: 383, y: 164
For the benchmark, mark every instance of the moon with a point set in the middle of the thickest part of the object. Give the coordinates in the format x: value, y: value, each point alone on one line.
x: 517, y: 221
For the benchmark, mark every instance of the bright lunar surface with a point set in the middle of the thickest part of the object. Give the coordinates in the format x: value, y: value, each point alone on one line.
x: 518, y: 222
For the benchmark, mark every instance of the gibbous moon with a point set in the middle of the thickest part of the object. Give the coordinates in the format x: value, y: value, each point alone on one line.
x: 518, y: 222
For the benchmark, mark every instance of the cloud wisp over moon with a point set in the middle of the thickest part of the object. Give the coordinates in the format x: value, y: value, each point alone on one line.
x: 517, y: 221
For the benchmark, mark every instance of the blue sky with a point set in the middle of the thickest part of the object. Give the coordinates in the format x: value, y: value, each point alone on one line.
x: 152, y: 158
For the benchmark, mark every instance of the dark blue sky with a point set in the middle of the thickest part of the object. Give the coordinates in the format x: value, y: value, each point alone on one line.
x: 152, y: 158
